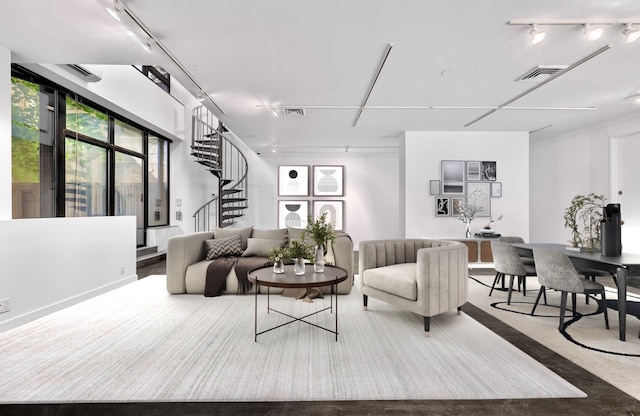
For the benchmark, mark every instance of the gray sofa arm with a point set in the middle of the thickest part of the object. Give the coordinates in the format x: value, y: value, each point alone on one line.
x: 182, y: 252
x: 441, y: 277
x: 343, y: 253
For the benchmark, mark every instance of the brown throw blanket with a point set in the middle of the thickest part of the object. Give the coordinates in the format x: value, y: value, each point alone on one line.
x: 219, y: 269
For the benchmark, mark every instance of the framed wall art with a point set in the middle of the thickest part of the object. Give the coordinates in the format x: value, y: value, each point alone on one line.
x: 442, y: 206
x: 334, y: 210
x: 452, y: 177
x: 293, y: 180
x: 473, y: 170
x: 293, y: 214
x: 489, y: 171
x: 456, y: 202
x: 479, y: 194
x: 496, y: 189
x: 434, y: 187
x: 328, y: 180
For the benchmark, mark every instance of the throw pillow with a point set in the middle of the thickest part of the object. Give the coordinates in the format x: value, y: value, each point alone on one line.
x: 228, y: 232
x: 278, y: 234
x: 261, y: 246
x: 228, y: 246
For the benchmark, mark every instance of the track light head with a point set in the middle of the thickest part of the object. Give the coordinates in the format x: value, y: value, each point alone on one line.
x: 116, y: 10
x: 631, y: 34
x: 592, y: 34
x: 536, y: 34
x: 201, y: 96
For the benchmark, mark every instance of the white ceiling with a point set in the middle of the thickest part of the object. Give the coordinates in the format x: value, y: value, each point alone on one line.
x: 454, y: 53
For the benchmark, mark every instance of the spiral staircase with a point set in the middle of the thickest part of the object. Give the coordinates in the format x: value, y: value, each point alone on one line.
x: 225, y: 161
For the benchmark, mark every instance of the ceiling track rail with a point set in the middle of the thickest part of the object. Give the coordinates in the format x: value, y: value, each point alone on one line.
x: 546, y: 81
x: 373, y: 84
x: 168, y: 53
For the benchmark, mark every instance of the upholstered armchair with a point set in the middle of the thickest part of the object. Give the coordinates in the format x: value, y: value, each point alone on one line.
x: 426, y: 277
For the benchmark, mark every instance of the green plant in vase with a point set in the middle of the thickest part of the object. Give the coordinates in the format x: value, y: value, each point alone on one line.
x: 278, y: 256
x: 322, y: 234
x: 299, y: 251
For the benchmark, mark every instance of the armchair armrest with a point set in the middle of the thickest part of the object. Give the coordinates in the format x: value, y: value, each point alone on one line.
x: 182, y: 252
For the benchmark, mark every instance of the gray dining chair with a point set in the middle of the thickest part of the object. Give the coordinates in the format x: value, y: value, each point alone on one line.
x: 555, y: 271
x: 507, y: 262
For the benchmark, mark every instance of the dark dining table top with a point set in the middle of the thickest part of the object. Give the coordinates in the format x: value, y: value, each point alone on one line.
x: 630, y: 261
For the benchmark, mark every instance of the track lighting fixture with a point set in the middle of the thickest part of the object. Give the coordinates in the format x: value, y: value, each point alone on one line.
x: 536, y: 34
x: 146, y: 44
x: 116, y: 10
x: 592, y: 33
x: 201, y: 96
x: 631, y: 34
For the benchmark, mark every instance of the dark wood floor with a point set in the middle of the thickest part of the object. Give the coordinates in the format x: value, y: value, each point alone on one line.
x: 603, y: 398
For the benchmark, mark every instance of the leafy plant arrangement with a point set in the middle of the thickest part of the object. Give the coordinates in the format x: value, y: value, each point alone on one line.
x: 279, y: 254
x: 583, y: 217
x: 320, y: 231
x: 298, y: 248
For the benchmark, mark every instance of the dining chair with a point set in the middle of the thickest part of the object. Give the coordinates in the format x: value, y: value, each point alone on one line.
x: 507, y: 262
x: 591, y: 274
x: 555, y: 271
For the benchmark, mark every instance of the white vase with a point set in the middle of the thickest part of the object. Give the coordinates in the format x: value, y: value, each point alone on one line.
x: 298, y: 266
x: 318, y: 259
x: 278, y: 267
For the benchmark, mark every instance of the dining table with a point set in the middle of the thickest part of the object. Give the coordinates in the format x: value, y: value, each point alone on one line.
x: 622, y: 266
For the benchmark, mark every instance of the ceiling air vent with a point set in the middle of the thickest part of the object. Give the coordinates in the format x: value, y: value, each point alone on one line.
x: 293, y: 112
x: 81, y: 72
x: 541, y: 72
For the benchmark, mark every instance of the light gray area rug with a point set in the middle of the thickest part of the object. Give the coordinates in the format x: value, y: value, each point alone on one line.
x: 138, y: 343
x: 595, y: 348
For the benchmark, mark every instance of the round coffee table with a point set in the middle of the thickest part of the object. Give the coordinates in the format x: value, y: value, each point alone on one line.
x: 264, y: 276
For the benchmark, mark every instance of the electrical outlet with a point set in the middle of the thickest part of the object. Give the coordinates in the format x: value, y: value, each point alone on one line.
x: 5, y: 305
x: 121, y: 270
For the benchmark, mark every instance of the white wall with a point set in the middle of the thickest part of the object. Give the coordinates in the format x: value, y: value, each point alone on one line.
x: 567, y: 166
x: 423, y: 153
x: 371, y: 209
x: 5, y: 134
x: 48, y: 264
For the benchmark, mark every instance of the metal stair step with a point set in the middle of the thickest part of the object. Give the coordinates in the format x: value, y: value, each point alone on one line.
x: 236, y: 208
x: 231, y: 200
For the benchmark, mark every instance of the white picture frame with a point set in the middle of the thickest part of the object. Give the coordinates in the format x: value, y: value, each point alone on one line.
x: 479, y: 194
x: 452, y: 177
x: 293, y: 180
x: 496, y: 189
x: 434, y: 187
x: 293, y: 213
x: 328, y: 180
x: 334, y: 210
x: 473, y: 171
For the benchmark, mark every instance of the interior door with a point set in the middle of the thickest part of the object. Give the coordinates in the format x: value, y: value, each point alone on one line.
x: 626, y: 188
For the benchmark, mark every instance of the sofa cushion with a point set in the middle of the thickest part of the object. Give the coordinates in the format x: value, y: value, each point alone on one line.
x: 278, y: 234
x: 261, y: 246
x: 228, y: 246
x: 228, y: 232
x: 397, y: 279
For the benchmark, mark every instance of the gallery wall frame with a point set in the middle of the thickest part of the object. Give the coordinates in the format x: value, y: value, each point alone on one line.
x: 489, y: 171
x: 434, y: 187
x: 293, y: 213
x: 496, y: 189
x: 328, y: 180
x: 474, y: 170
x: 334, y: 210
x: 456, y: 201
x: 452, y: 177
x: 293, y: 180
x: 443, y: 206
x: 479, y: 194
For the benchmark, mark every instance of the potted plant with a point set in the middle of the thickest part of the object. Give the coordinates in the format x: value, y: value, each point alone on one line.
x: 583, y: 218
x: 278, y: 256
x: 322, y: 234
x: 299, y: 250
x: 466, y: 214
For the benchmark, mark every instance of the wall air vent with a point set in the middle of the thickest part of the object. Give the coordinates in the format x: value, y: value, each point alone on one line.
x: 81, y: 72
x: 541, y: 72
x: 293, y: 112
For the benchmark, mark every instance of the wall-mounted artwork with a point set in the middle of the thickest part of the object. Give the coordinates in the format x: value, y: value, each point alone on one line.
x: 496, y: 189
x: 479, y: 194
x: 473, y: 171
x: 293, y: 214
x: 434, y: 187
x: 334, y: 210
x: 293, y: 180
x: 456, y: 203
x: 442, y: 206
x: 328, y: 180
x: 452, y: 176
x: 489, y: 171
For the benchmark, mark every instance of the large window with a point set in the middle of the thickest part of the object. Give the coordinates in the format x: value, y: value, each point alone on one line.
x: 72, y: 158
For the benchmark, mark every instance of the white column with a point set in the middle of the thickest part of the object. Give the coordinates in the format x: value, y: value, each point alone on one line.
x: 5, y: 134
